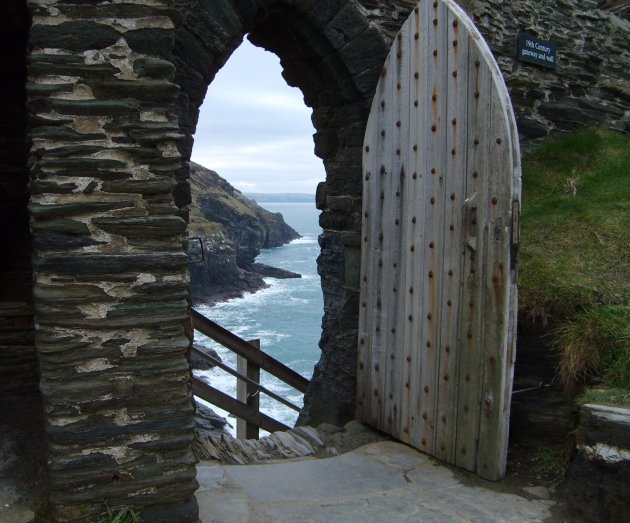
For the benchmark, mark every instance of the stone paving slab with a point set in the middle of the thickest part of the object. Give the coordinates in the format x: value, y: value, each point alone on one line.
x: 380, y: 482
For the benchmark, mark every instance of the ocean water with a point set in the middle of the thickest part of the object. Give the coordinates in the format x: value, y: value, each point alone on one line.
x: 286, y: 317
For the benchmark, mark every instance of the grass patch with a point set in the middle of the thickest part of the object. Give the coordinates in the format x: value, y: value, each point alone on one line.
x: 550, y: 463
x: 596, y: 343
x: 605, y: 396
x: 124, y: 515
x: 575, y: 259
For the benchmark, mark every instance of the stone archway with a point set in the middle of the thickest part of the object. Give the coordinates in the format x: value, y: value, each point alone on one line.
x: 110, y: 137
x: 334, y: 53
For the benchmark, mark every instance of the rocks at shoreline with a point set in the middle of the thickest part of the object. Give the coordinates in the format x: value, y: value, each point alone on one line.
x: 232, y: 229
x: 199, y: 362
x: 268, y: 271
x: 208, y: 424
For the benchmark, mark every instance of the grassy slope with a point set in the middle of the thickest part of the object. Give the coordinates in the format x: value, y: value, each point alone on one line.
x: 575, y: 256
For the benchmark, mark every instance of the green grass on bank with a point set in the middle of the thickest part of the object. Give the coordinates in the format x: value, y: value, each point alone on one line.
x: 575, y: 252
x: 604, y: 396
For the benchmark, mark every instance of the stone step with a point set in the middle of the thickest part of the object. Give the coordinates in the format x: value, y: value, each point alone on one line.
x: 299, y: 443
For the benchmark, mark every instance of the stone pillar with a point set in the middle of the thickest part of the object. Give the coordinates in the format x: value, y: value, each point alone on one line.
x: 111, y: 276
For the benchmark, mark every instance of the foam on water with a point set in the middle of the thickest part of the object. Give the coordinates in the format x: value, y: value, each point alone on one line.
x: 303, y: 240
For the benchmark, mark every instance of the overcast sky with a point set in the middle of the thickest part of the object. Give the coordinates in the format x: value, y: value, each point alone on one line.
x: 255, y: 130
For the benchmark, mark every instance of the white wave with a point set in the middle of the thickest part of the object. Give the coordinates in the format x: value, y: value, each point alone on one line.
x: 303, y: 240
x: 299, y: 300
x: 272, y: 335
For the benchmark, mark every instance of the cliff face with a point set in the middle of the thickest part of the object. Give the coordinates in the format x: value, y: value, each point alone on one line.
x: 233, y: 229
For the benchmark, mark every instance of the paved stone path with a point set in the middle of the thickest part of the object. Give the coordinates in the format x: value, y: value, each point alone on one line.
x: 379, y: 482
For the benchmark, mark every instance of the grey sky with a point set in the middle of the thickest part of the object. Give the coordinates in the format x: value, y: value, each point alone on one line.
x: 255, y: 130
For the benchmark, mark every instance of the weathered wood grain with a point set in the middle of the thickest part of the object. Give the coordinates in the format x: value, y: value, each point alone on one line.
x: 438, y: 300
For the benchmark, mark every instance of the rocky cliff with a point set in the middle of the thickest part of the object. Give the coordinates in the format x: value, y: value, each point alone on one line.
x: 232, y: 230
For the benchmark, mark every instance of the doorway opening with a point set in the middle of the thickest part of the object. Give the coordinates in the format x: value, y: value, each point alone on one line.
x: 253, y: 183
x: 334, y: 55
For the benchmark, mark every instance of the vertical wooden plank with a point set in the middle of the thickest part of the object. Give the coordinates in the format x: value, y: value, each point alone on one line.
x: 385, y: 306
x: 246, y: 393
x: 452, y: 239
x: 500, y: 288
x: 413, y: 430
x: 496, y: 303
x: 391, y: 285
x: 435, y: 101
x: 369, y: 252
x: 377, y: 160
x: 371, y: 186
x: 471, y: 330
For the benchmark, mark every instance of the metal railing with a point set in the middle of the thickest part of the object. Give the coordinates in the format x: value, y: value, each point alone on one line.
x: 250, y: 361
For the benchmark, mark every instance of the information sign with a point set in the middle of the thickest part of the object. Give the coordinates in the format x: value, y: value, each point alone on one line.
x: 536, y: 51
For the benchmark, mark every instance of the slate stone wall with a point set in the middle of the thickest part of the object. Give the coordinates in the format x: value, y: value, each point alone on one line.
x: 589, y: 86
x: 111, y: 274
x: 597, y: 484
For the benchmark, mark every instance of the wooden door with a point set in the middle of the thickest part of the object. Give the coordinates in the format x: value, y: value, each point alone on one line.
x: 440, y: 232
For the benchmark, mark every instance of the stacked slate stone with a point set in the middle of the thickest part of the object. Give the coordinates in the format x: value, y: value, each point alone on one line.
x: 111, y: 275
x: 597, y: 485
x: 589, y: 85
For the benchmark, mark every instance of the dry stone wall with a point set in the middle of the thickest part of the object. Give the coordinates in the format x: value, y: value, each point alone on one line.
x: 590, y: 84
x: 597, y: 484
x: 111, y: 276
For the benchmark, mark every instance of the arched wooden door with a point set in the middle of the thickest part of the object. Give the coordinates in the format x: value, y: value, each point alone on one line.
x: 440, y: 232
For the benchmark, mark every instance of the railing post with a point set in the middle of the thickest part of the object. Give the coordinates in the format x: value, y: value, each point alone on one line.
x: 247, y: 394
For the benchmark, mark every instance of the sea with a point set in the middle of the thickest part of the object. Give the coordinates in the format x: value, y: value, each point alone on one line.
x: 285, y: 317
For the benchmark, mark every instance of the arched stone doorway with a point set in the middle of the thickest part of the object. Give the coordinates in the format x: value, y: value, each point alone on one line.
x: 109, y: 124
x: 333, y: 52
